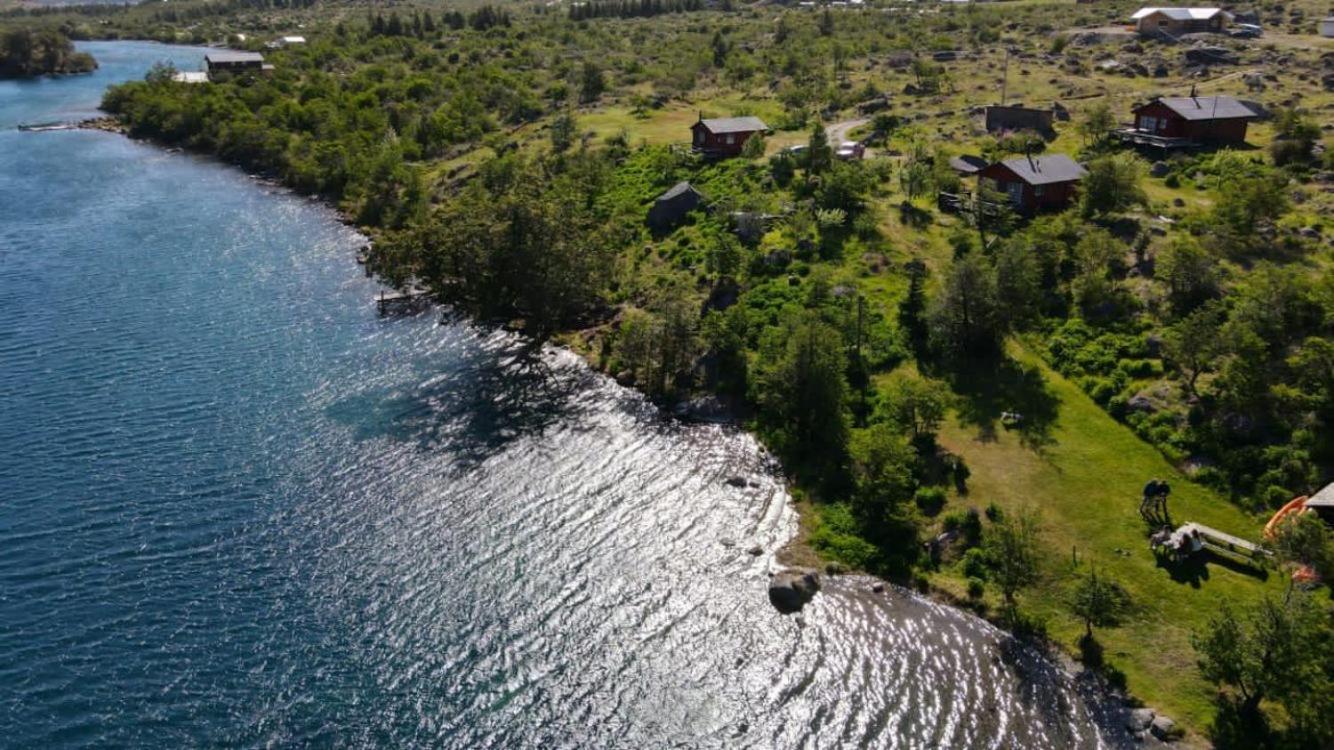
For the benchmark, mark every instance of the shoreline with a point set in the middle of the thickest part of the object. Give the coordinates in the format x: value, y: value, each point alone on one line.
x: 794, y: 555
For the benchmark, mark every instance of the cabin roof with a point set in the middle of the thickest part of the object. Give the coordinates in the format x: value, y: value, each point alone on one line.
x: 1322, y: 499
x: 1178, y: 14
x: 1045, y: 169
x: 231, y: 56
x: 734, y: 125
x: 677, y: 190
x: 968, y: 164
x: 1207, y: 107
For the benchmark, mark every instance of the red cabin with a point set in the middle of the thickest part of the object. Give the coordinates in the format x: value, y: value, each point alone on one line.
x: 1036, y: 183
x: 724, y: 136
x: 1197, y: 119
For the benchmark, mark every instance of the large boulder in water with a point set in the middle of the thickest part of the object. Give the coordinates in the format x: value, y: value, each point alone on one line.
x: 790, y: 590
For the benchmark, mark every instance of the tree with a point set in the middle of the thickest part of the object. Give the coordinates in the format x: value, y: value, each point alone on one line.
x: 753, y: 148
x: 591, y: 82
x: 1098, y: 601
x: 720, y: 49
x: 966, y: 317
x: 1190, y: 274
x: 801, y: 387
x: 1111, y: 185
x: 916, y: 405
x: 1013, y: 549
x: 563, y: 131
x: 915, y: 175
x: 1018, y: 284
x: 1195, y: 343
x: 883, y: 468
x: 819, y: 155
x: 1251, y: 201
x: 1278, y: 649
x: 1097, y: 124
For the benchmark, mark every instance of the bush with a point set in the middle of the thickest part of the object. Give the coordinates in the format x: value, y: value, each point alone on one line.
x: 975, y: 564
x: 930, y: 499
x: 994, y: 512
x: 976, y: 588
x: 967, y: 522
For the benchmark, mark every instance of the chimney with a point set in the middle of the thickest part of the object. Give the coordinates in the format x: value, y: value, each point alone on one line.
x: 1192, y: 96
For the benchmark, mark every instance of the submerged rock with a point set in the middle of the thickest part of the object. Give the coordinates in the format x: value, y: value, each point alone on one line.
x: 790, y: 590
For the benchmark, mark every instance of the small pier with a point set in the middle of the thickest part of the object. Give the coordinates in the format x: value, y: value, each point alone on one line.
x: 407, y: 301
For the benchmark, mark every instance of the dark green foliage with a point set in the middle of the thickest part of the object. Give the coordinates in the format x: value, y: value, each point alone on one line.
x: 24, y: 53
x: 1280, y: 651
x: 800, y: 385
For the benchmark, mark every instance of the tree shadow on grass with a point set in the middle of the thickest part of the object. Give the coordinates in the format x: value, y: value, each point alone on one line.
x: 988, y: 389
x: 1237, y: 729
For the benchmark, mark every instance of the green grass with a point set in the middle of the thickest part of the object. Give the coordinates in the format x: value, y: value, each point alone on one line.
x: 1085, y: 481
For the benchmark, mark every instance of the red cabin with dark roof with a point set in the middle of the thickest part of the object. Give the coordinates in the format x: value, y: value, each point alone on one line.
x: 1047, y: 182
x: 724, y: 136
x: 1201, y: 119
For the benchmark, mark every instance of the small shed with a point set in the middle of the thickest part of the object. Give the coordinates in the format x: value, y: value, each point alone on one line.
x: 724, y: 136
x: 670, y: 208
x: 1178, y: 21
x: 1327, y: 27
x: 1047, y: 182
x: 1196, y: 119
x: 190, y: 76
x: 1002, y: 118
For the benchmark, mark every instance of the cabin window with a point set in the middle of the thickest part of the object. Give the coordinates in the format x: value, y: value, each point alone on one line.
x: 1037, y: 191
x: 1148, y: 123
x: 1016, y: 192
x: 727, y: 139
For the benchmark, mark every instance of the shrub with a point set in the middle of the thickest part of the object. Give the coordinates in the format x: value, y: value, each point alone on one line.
x: 975, y: 564
x: 967, y: 522
x: 930, y: 499
x: 976, y: 588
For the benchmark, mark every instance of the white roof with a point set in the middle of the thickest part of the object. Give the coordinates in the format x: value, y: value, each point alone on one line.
x: 294, y: 39
x: 1179, y: 14
x: 188, y: 76
x: 1324, y: 498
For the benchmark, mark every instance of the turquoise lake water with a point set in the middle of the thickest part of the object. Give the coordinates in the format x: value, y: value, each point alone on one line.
x: 237, y: 508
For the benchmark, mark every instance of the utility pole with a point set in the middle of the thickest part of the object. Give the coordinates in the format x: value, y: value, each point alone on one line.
x: 1005, y: 76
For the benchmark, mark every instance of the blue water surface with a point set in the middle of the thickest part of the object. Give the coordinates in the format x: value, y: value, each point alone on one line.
x: 238, y: 508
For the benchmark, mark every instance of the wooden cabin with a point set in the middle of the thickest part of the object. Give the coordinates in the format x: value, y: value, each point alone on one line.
x: 1044, y: 182
x: 234, y: 62
x: 1188, y: 121
x: 724, y: 136
x: 1177, y: 21
x: 670, y: 208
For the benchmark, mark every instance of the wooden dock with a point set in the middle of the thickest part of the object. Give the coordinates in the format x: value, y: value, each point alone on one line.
x: 407, y: 301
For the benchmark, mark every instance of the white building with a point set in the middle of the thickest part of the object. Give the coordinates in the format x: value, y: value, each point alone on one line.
x: 1327, y: 28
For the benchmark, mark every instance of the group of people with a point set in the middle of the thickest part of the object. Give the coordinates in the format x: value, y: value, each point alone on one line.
x: 1180, y: 544
x: 1153, y: 507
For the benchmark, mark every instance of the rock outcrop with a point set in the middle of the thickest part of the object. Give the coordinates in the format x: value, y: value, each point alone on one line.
x: 790, y: 590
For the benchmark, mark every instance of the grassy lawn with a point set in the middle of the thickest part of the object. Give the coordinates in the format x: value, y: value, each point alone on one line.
x: 1084, y: 478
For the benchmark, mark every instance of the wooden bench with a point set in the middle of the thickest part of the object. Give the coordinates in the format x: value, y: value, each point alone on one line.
x: 1221, y: 541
